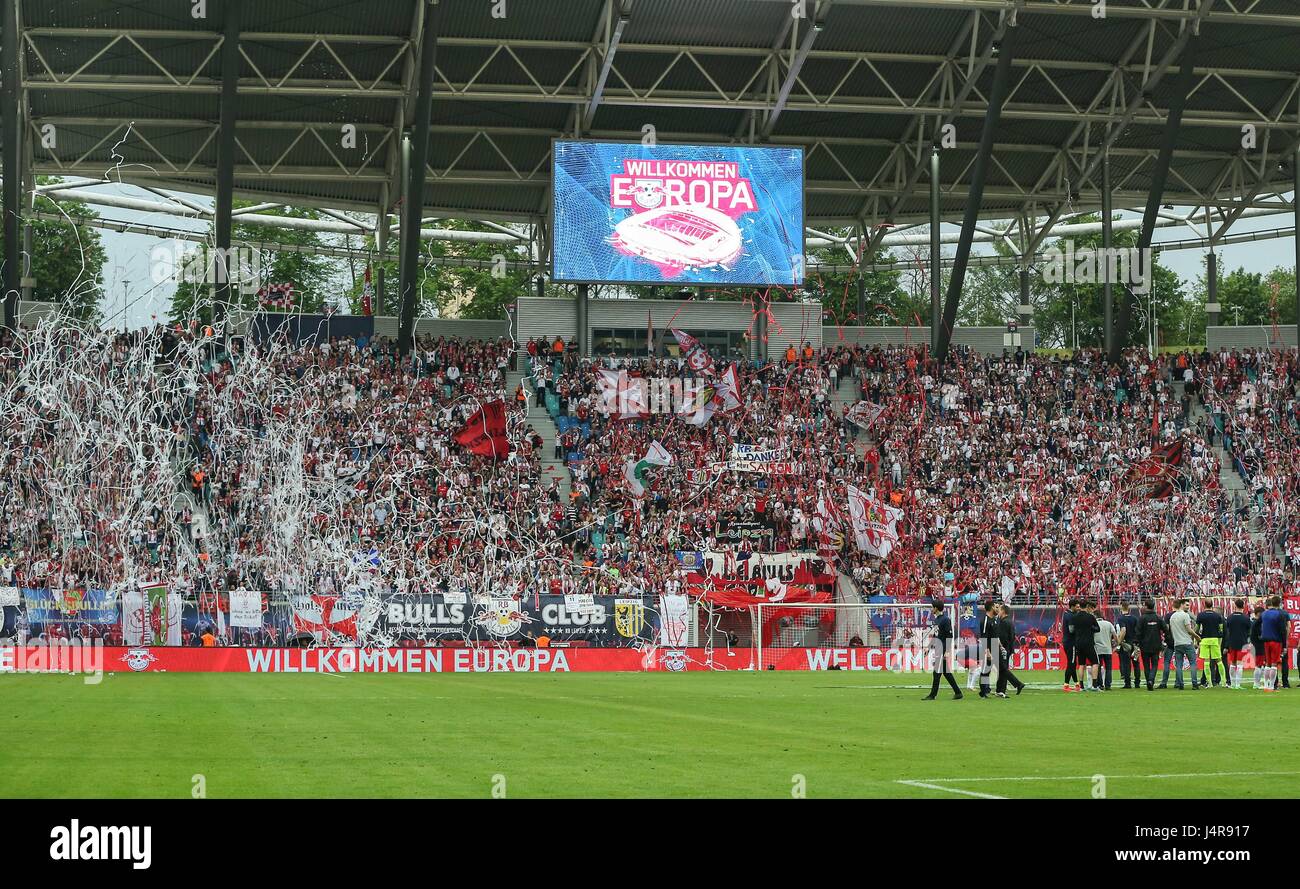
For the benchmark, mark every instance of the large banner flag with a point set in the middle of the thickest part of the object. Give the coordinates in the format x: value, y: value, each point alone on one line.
x: 1154, y: 477
x: 864, y: 414
x: 875, y: 524
x: 697, y: 357
x: 675, y: 620
x: 635, y: 473
x: 485, y: 432
x: 151, y: 615
x: 325, y: 616
x: 717, y: 398
x: 621, y: 396
x: 829, y: 525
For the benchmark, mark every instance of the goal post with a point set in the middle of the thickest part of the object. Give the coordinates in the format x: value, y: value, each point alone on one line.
x: 876, y: 636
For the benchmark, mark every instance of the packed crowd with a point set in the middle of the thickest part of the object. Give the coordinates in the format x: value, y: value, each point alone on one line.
x: 330, y: 468
x: 1018, y: 475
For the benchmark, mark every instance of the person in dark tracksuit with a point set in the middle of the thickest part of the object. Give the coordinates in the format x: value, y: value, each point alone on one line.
x: 1129, y: 668
x: 941, y: 651
x: 1086, y: 628
x: 1067, y: 642
x: 988, y: 647
x: 1236, y: 636
x: 1006, y: 648
x: 1151, y: 635
x: 1257, y: 642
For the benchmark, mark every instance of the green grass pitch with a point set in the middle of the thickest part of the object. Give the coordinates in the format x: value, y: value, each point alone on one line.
x: 621, y: 735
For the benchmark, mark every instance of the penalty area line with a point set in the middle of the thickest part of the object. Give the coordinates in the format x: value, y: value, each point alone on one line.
x: 929, y: 786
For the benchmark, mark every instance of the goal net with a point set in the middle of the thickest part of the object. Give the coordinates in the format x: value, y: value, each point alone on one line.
x: 848, y: 636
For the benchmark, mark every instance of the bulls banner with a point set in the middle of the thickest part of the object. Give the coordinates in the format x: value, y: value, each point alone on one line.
x: 744, y: 579
x: 791, y: 567
x: 423, y: 617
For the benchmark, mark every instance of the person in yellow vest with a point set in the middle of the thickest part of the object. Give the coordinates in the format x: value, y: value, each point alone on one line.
x: 791, y: 356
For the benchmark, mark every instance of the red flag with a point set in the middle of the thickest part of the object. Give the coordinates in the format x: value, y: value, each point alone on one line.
x: 485, y: 432
x: 367, y: 295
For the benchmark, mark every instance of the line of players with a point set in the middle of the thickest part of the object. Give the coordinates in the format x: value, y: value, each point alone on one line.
x: 1142, y: 638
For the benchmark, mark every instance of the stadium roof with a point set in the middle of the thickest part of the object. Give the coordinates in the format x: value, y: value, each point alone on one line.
x: 132, y: 89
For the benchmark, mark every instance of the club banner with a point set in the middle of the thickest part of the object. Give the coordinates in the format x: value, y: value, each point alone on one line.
x: 245, y: 608
x: 73, y: 606
x: 599, y: 620
x: 791, y: 567
x: 748, y: 458
x: 686, y: 214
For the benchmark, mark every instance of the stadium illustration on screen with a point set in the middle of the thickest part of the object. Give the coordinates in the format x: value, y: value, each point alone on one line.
x: 678, y: 214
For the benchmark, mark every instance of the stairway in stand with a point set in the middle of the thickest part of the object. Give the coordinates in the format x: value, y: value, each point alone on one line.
x: 540, y: 419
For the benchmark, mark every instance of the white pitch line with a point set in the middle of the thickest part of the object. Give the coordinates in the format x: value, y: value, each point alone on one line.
x: 928, y: 786
x: 1108, y: 777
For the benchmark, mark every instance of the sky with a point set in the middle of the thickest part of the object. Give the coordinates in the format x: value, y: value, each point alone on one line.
x: 132, y: 299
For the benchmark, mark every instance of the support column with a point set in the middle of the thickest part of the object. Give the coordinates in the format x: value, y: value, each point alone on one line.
x: 1212, y: 305
x: 583, y: 336
x: 1295, y: 199
x: 28, y: 282
x: 226, y: 159
x: 975, y: 194
x: 10, y: 284
x: 413, y: 200
x: 936, y: 270
x: 861, y: 283
x: 1183, y: 86
x: 381, y: 247
x: 1025, y: 311
x: 1107, y: 245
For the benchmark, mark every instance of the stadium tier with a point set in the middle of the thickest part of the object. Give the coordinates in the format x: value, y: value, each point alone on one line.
x: 159, y: 486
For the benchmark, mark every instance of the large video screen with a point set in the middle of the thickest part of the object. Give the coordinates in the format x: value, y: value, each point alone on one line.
x: 677, y: 214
